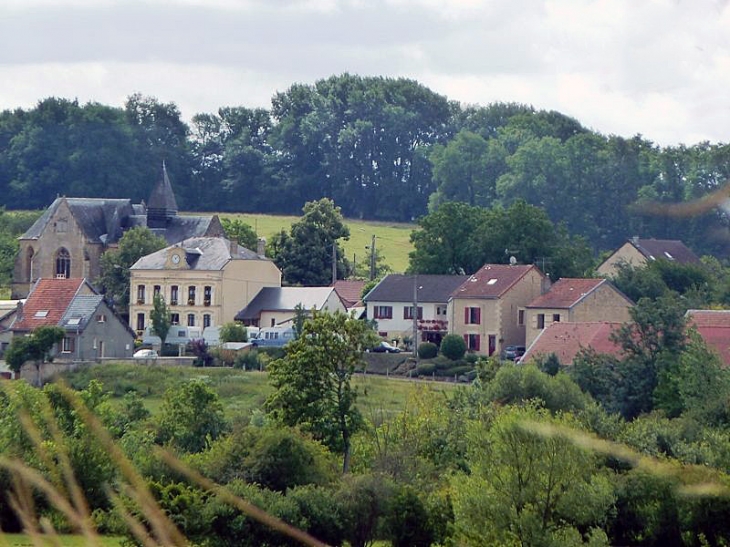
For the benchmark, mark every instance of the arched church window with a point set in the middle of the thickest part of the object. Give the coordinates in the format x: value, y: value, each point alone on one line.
x: 63, y: 264
x: 29, y: 263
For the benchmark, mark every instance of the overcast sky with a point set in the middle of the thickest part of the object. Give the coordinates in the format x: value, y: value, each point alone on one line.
x: 660, y: 68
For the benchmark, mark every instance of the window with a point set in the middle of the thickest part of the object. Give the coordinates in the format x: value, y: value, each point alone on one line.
x: 174, y: 318
x: 207, y: 295
x: 556, y: 318
x: 540, y: 320
x: 383, y: 312
x: 440, y: 310
x: 408, y: 312
x: 520, y: 317
x: 472, y: 341
x: 173, y: 295
x: 140, y: 294
x: 273, y: 322
x: 68, y: 345
x: 473, y: 316
x: 191, y: 295
x: 140, y: 321
x: 101, y: 318
x: 191, y: 320
x: 206, y: 320
x: 156, y: 290
x: 63, y: 264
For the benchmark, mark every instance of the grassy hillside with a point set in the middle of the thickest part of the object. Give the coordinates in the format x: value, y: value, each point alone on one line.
x: 391, y: 239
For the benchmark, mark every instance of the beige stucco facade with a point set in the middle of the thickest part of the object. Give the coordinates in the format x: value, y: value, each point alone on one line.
x: 217, y: 295
x: 605, y: 304
x: 37, y: 258
x: 627, y: 253
x: 499, y: 322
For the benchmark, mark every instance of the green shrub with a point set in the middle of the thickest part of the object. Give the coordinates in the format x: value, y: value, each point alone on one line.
x: 427, y: 350
x: 453, y: 347
x: 425, y: 369
x: 248, y: 360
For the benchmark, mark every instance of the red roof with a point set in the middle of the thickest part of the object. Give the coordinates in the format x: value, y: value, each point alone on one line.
x: 492, y: 281
x: 349, y: 291
x: 565, y: 340
x: 709, y: 318
x: 566, y: 293
x: 714, y: 328
x: 47, y: 303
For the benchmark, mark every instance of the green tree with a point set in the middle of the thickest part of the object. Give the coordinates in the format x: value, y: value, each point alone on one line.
x: 35, y: 347
x: 305, y: 255
x: 239, y: 231
x: 233, y: 332
x: 160, y: 318
x: 191, y: 417
x: 453, y: 346
x: 115, y: 278
x: 312, y: 382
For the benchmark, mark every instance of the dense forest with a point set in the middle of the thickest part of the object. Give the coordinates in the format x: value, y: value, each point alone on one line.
x: 381, y: 148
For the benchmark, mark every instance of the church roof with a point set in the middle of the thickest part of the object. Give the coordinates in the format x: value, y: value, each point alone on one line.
x: 162, y: 197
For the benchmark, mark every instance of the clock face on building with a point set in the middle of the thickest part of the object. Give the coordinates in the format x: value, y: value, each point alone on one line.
x: 175, y: 259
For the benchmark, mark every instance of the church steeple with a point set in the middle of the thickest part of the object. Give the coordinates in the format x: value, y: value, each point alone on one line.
x: 162, y: 204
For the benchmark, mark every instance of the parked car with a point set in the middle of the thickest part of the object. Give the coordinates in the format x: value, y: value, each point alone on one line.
x: 145, y: 354
x: 385, y: 347
x: 513, y: 353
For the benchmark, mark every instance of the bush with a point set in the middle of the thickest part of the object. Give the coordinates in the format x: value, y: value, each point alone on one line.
x: 425, y: 369
x: 427, y: 350
x: 248, y: 360
x: 453, y: 347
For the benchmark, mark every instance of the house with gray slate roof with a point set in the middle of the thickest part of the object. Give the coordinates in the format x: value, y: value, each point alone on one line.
x: 637, y: 252
x: 67, y: 241
x: 390, y: 303
x: 274, y: 306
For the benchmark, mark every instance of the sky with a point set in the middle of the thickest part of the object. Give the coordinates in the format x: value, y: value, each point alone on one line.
x: 658, y: 68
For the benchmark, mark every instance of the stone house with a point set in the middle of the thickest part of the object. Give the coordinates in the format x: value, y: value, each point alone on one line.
x: 276, y: 306
x: 637, y: 252
x: 576, y: 300
x: 93, y: 330
x: 390, y: 303
x: 488, y: 308
x: 204, y: 280
x: 67, y: 241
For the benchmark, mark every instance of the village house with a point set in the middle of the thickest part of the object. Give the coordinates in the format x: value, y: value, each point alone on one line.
x: 276, y: 306
x: 203, y: 280
x: 93, y: 330
x: 565, y: 340
x: 390, y: 303
x: 576, y: 300
x: 714, y: 328
x: 67, y: 241
x: 487, y: 309
x: 637, y: 252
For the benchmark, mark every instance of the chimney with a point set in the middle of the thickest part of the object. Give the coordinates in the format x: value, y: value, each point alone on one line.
x: 261, y: 247
x: 635, y: 240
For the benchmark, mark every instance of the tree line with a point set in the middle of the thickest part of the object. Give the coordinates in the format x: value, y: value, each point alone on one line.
x: 380, y: 148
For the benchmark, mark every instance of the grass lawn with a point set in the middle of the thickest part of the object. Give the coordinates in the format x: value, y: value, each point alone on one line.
x: 242, y: 392
x: 392, y: 239
x: 18, y: 540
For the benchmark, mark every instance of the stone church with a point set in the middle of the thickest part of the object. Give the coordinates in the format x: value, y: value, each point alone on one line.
x: 72, y: 234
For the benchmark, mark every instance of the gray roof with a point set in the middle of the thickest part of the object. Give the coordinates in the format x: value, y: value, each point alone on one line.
x: 285, y: 299
x: 80, y: 311
x: 667, y: 249
x: 178, y: 228
x: 203, y: 253
x: 399, y: 288
x: 101, y: 220
x: 162, y: 196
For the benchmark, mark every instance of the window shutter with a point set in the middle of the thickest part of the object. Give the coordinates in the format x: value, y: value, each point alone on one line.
x: 405, y: 312
x: 477, y: 339
x: 466, y: 316
x: 478, y: 317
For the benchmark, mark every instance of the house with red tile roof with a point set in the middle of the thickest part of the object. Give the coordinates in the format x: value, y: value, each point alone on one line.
x: 576, y: 300
x: 487, y: 309
x: 714, y: 328
x: 350, y: 292
x: 566, y: 340
x: 93, y: 330
x: 637, y: 252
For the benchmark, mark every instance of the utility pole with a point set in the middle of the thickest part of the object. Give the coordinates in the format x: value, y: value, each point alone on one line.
x: 415, y: 317
x: 372, y: 259
x: 334, y: 262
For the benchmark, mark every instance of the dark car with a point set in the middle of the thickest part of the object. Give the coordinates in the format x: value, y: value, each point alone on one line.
x: 512, y: 353
x: 385, y: 347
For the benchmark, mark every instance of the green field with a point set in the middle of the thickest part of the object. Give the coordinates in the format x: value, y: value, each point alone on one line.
x: 391, y: 239
x: 243, y: 392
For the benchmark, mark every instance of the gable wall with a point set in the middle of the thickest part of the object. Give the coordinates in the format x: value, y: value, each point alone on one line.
x: 626, y: 253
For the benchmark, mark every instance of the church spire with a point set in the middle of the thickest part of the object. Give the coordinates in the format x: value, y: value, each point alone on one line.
x: 162, y: 204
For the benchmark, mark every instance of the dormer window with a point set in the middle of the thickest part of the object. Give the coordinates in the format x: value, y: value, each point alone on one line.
x: 41, y: 313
